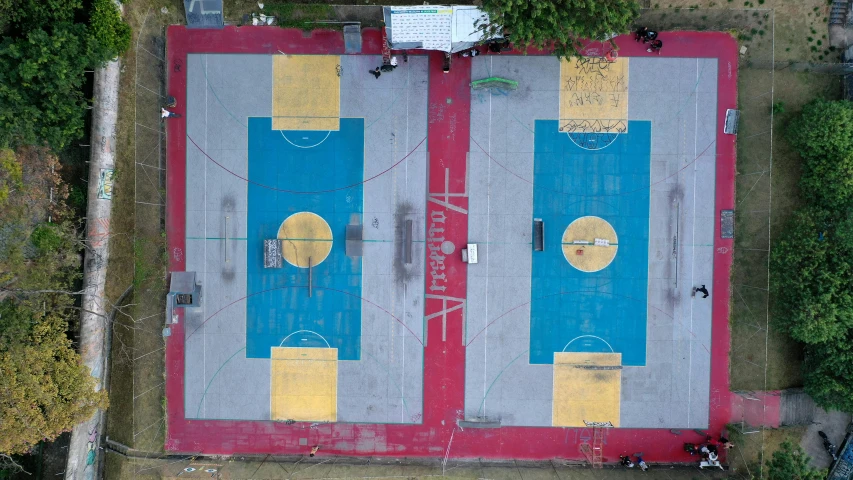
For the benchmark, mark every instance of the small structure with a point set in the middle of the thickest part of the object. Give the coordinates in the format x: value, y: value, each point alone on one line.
x: 184, y: 291
x: 445, y: 28
x: 272, y: 253
x: 354, y: 245
x: 732, y: 120
x: 469, y: 254
x: 538, y: 235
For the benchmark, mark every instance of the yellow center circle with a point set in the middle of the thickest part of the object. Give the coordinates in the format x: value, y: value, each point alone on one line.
x: 590, y: 244
x: 305, y: 236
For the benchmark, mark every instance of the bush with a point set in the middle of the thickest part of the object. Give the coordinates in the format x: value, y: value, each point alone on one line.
x: 811, y: 267
x: 46, y: 238
x: 790, y: 462
x: 823, y: 136
x: 108, y: 29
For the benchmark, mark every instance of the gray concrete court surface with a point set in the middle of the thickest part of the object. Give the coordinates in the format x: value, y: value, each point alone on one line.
x: 679, y: 97
x: 386, y: 385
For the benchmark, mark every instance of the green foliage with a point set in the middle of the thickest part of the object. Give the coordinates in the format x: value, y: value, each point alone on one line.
x: 31, y: 14
x: 301, y: 16
x: 108, y: 29
x: 812, y: 262
x: 561, y: 25
x: 46, y: 238
x: 823, y: 135
x: 778, y: 108
x: 828, y: 371
x: 811, y: 265
x: 44, y: 389
x: 790, y: 462
x: 41, y: 79
x: 11, y: 178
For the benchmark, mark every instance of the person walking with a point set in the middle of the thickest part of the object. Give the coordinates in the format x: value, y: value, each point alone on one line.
x: 702, y: 290
x: 376, y: 73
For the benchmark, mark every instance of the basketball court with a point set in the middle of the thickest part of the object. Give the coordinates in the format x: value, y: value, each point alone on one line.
x: 331, y: 218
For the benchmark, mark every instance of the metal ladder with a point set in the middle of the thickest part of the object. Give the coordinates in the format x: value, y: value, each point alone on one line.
x: 594, y: 453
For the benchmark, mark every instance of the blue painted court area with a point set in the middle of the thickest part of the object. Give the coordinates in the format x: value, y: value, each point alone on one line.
x: 304, y: 162
x: 604, y: 310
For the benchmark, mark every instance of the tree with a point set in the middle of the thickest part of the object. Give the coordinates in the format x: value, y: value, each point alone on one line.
x: 558, y: 24
x: 41, y: 79
x: 790, y: 462
x: 828, y: 373
x: 811, y: 267
x: 823, y: 136
x: 108, y: 29
x: 29, y: 14
x: 44, y: 389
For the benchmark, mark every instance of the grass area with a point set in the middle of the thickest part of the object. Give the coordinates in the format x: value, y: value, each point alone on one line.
x: 752, y: 446
x: 137, y: 256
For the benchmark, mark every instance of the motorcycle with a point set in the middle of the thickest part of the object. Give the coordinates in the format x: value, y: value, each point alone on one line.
x: 828, y: 446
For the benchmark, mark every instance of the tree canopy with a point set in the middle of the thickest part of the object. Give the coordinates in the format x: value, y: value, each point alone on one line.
x: 813, y: 266
x: 812, y: 260
x: 790, y: 462
x: 560, y: 25
x: 823, y: 135
x: 43, y: 59
x: 44, y: 390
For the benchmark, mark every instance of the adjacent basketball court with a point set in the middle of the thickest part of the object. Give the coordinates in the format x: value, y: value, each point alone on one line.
x: 330, y: 217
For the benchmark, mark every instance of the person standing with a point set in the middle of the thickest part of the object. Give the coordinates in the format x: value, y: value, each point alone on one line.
x: 376, y: 73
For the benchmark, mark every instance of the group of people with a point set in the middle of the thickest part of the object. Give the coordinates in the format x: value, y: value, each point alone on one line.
x: 387, y: 67
x: 710, y: 449
x: 625, y: 461
x: 643, y: 34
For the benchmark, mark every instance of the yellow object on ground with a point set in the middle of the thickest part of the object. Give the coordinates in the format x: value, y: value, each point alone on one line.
x: 304, y: 384
x: 586, y: 388
x: 305, y: 235
x: 579, y: 244
x: 306, y: 92
x: 593, y: 95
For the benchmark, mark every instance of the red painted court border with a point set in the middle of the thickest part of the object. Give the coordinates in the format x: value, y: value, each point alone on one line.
x: 443, y: 361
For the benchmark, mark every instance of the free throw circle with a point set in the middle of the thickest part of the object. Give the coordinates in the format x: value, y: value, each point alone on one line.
x: 305, y: 235
x: 590, y: 244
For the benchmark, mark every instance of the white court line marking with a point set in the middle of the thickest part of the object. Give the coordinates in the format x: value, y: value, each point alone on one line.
x: 204, y: 200
x: 592, y: 149
x: 488, y: 239
x: 589, y: 336
x: 693, y: 242
x: 309, y: 146
x: 304, y: 331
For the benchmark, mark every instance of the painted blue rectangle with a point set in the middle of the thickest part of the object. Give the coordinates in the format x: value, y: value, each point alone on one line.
x: 602, y: 311
x: 302, y: 171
